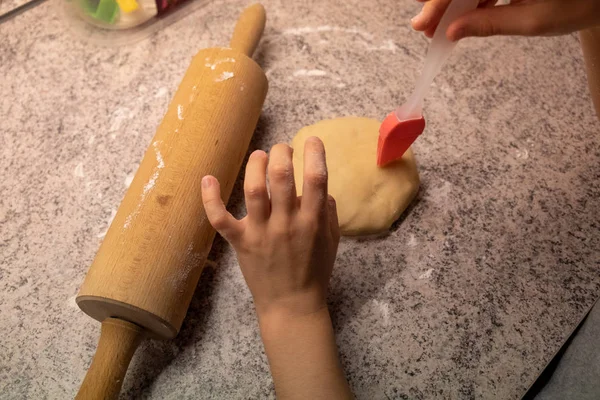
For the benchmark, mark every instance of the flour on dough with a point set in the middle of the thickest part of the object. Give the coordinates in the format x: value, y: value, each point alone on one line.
x: 369, y: 198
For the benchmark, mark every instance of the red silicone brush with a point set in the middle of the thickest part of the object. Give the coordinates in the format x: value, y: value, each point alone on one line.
x: 402, y: 127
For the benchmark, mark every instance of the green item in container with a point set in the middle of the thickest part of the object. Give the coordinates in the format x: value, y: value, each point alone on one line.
x: 102, y: 10
x: 107, y: 11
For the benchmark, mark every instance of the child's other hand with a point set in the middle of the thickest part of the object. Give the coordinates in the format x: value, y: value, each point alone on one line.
x: 521, y: 17
x: 286, y: 245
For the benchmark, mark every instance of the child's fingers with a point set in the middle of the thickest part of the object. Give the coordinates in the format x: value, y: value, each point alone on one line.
x: 516, y: 19
x: 525, y: 18
x: 255, y: 187
x: 430, y: 15
x: 334, y: 225
x: 433, y: 11
x: 314, y: 188
x: 281, y: 180
x: 218, y: 216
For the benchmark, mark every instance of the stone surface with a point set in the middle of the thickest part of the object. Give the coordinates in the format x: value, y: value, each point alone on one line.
x: 470, y: 294
x: 9, y: 5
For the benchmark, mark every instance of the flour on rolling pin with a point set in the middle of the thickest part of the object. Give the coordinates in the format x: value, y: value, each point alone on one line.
x: 212, y: 64
x: 224, y: 76
x: 190, y: 259
x: 149, y: 185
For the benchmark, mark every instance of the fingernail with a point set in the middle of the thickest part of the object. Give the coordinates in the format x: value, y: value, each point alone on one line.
x: 417, y: 17
x: 314, y: 139
x: 206, y: 181
x: 258, y: 153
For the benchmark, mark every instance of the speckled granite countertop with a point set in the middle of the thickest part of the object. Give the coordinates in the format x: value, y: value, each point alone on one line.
x: 468, y: 297
x: 8, y: 5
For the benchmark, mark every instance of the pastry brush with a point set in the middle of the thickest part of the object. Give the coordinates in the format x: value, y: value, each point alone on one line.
x: 402, y: 126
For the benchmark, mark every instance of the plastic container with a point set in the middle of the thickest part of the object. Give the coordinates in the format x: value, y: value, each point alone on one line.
x: 118, y: 21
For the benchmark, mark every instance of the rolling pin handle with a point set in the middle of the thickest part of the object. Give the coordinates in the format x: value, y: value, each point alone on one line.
x: 249, y: 29
x: 118, y: 341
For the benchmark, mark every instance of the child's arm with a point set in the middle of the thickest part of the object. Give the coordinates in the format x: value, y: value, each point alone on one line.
x: 303, y: 356
x: 286, y: 247
x: 520, y: 17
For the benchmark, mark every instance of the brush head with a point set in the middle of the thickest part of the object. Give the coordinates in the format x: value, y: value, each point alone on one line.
x: 395, y: 137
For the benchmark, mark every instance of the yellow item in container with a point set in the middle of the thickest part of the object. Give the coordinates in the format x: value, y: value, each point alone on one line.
x: 128, y: 6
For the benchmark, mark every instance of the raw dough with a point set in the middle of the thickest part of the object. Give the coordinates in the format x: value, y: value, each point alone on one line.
x: 369, y: 198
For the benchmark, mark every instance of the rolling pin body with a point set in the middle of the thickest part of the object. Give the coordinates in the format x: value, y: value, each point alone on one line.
x: 150, y: 261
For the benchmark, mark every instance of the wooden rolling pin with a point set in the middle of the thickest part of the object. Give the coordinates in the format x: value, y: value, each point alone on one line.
x: 147, y: 268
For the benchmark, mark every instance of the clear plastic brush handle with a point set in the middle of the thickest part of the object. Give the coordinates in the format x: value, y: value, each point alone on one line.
x: 438, y: 53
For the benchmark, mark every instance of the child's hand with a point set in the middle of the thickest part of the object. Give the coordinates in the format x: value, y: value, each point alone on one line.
x: 286, y: 245
x: 521, y: 17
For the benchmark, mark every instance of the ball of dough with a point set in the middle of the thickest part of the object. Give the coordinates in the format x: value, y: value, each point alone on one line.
x: 369, y: 198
